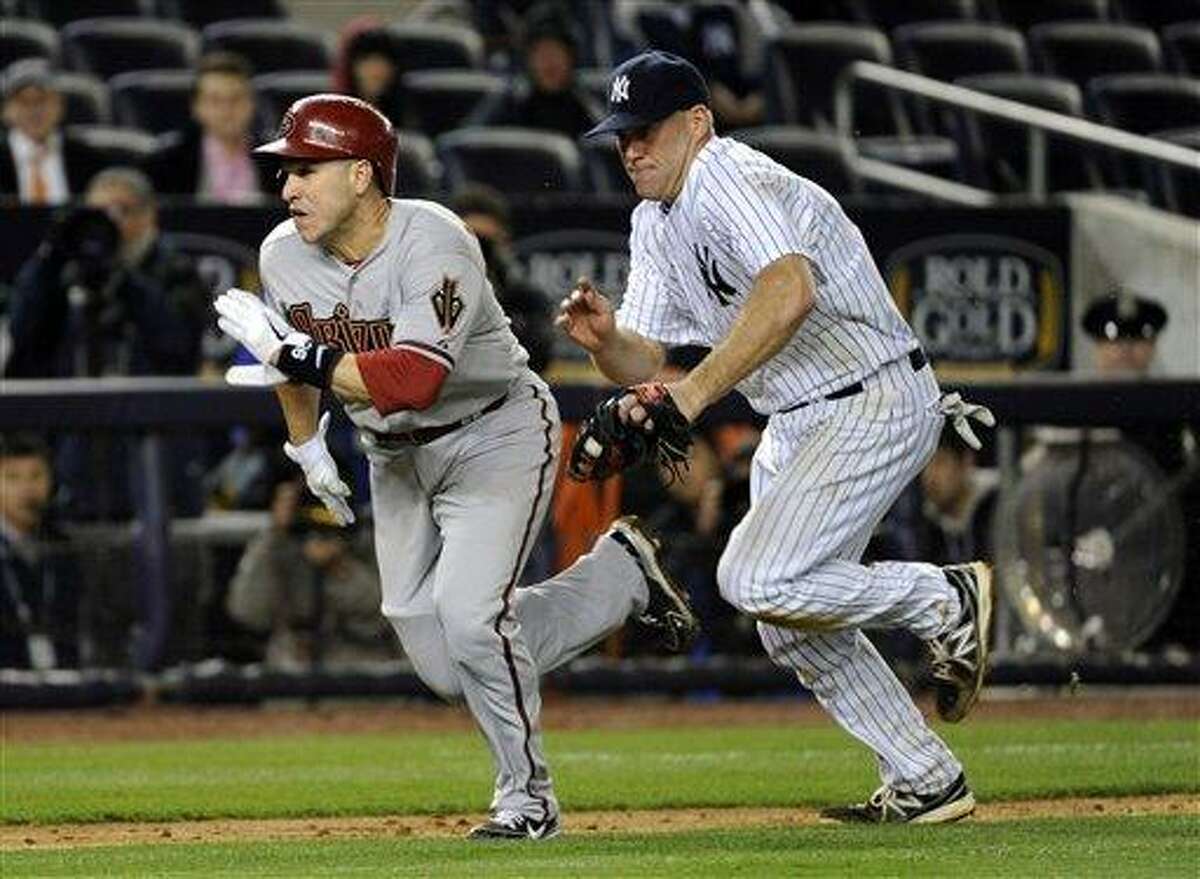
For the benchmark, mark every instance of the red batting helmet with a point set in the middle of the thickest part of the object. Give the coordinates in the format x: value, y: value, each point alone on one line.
x: 325, y: 127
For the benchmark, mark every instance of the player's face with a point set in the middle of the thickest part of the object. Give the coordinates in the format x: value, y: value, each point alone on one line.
x: 320, y: 196
x: 656, y: 157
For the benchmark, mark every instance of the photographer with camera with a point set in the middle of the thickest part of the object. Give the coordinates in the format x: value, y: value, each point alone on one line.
x: 104, y: 294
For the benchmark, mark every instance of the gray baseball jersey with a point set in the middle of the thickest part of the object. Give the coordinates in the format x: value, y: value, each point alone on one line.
x: 424, y: 287
x: 456, y: 517
x: 826, y: 471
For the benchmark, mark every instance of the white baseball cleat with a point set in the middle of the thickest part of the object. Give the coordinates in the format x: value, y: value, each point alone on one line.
x: 888, y: 806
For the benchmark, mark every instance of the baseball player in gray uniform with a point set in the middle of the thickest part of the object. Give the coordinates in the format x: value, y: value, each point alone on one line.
x: 733, y: 251
x: 386, y: 302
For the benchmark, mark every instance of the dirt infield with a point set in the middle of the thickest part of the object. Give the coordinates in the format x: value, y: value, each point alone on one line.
x: 577, y: 823
x: 147, y: 723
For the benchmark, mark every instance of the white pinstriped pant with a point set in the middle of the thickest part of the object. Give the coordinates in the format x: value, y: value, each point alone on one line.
x: 823, y: 476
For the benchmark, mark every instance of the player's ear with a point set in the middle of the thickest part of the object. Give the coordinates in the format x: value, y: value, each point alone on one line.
x: 363, y: 173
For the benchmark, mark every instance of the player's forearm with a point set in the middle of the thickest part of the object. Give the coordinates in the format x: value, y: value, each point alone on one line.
x: 628, y: 358
x: 301, y: 405
x: 782, y: 297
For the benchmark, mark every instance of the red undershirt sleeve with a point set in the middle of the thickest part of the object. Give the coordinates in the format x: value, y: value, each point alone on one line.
x: 401, y: 378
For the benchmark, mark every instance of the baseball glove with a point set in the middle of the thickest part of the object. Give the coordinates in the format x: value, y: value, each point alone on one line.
x: 608, y: 444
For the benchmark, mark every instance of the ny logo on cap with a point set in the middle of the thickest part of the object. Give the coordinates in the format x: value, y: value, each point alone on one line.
x: 619, y: 93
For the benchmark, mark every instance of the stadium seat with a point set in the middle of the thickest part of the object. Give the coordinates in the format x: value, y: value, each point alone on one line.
x: 417, y: 169
x: 24, y: 38
x: 201, y: 13
x: 948, y: 50
x: 805, y: 11
x: 86, y: 98
x: 605, y: 171
x: 157, y: 101
x: 999, y: 151
x: 929, y: 153
x: 513, y: 160
x: 889, y: 14
x: 1024, y: 14
x: 61, y: 12
x: 436, y: 101
x: 105, y: 47
x: 119, y: 146
x: 820, y: 156
x: 269, y: 44
x: 652, y: 24
x: 429, y: 45
x: 278, y: 91
x: 1081, y: 50
x: 1145, y: 102
x: 1157, y: 14
x: 1182, y: 44
x: 1180, y: 187
x: 803, y: 64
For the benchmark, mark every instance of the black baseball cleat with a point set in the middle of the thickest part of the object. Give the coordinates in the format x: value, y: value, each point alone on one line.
x: 958, y: 658
x: 668, y: 612
x: 888, y: 806
x: 506, y: 825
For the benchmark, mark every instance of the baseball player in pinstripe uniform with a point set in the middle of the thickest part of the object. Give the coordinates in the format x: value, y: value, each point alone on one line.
x: 386, y: 302
x: 733, y: 251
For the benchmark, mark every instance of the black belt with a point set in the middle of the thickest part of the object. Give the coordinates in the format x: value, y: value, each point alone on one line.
x: 422, y: 435
x: 916, y: 359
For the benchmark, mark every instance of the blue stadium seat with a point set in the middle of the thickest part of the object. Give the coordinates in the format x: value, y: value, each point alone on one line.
x: 513, y: 160
x: 157, y: 101
x: 269, y: 44
x: 105, y: 47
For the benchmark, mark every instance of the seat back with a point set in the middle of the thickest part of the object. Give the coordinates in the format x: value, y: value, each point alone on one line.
x: 87, y: 100
x: 513, y: 160
x: 270, y: 44
x: 889, y: 14
x: 1146, y: 102
x: 429, y: 45
x: 948, y: 50
x: 819, y: 156
x: 1182, y: 44
x: 201, y: 13
x: 105, y: 47
x: 1023, y: 14
x: 1081, y: 50
x: 25, y: 38
x: 157, y: 101
x: 436, y: 101
x: 117, y: 146
x: 803, y: 65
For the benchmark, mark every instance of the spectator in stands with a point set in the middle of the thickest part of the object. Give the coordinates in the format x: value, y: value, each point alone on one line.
x: 300, y: 583
x: 1125, y: 329
x: 211, y: 158
x: 959, y: 504
x: 39, y: 162
x: 714, y: 46
x: 104, y: 294
x: 486, y: 213
x: 39, y: 601
x: 549, y: 97
x: 368, y: 67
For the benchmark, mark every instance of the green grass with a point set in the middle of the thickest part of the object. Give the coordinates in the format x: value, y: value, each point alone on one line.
x: 450, y: 772
x: 1113, y: 847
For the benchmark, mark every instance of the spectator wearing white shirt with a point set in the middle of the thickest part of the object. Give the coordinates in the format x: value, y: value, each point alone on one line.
x: 39, y: 163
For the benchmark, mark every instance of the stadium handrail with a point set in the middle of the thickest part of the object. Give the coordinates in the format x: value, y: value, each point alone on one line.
x: 1037, y: 121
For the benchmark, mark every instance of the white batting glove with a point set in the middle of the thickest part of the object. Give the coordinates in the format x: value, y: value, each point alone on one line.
x: 954, y: 407
x: 247, y: 319
x: 320, y: 470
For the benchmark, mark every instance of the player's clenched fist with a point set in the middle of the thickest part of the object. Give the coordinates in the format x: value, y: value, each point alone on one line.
x: 586, y: 316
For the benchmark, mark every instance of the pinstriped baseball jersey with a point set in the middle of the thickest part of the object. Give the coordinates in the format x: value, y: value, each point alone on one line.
x: 693, y: 264
x: 423, y: 288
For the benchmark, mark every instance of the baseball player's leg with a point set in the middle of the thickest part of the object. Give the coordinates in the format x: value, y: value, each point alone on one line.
x: 854, y: 684
x: 494, y: 495
x: 407, y: 544
x: 831, y: 475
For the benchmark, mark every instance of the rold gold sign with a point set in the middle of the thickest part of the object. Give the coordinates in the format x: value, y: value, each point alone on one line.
x: 982, y: 300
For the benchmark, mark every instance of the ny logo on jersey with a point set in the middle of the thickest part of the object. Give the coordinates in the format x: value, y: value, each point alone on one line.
x: 711, y: 274
x: 447, y: 304
x: 619, y: 92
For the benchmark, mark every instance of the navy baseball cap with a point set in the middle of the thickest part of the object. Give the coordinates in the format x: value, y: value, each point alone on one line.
x: 649, y: 87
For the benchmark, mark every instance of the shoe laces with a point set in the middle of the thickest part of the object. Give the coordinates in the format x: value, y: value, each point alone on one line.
x: 509, y: 818
x: 888, y: 799
x: 953, y: 650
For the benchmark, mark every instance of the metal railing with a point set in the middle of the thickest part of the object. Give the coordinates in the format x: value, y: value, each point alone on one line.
x: 1038, y: 122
